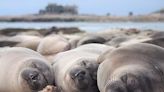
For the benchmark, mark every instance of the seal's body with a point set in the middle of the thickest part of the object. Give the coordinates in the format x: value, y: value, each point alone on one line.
x: 23, y: 70
x: 133, y: 68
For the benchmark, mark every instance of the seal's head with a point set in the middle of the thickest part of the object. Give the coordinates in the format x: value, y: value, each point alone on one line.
x: 37, y: 75
x: 84, y: 76
x: 137, y: 81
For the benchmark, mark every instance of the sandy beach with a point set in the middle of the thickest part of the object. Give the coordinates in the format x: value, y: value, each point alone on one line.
x: 86, y: 18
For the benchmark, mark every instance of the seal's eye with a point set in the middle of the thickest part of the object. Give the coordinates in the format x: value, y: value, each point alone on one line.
x: 77, y: 73
x: 80, y: 75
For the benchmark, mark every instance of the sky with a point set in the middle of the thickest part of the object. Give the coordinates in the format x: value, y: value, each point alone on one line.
x: 98, y: 7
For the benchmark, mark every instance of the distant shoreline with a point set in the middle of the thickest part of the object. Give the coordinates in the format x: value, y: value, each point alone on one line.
x: 87, y: 26
x: 82, y: 18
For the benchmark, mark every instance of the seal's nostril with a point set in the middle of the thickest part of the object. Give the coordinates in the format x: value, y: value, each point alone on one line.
x: 32, y: 77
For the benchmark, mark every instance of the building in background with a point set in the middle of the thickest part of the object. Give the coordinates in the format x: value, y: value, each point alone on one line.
x: 59, y: 9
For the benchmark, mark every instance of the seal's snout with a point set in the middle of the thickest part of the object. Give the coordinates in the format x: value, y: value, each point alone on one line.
x: 33, y: 76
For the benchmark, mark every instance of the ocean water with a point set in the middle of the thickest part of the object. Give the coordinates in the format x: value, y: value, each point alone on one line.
x: 86, y: 26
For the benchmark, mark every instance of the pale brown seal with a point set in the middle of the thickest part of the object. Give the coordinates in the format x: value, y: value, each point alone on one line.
x: 76, y: 70
x: 27, y: 41
x: 133, y: 68
x: 51, y: 45
x: 23, y: 70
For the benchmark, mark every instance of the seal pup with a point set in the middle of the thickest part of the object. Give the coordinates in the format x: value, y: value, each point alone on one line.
x: 76, y: 70
x: 133, y: 68
x: 23, y: 70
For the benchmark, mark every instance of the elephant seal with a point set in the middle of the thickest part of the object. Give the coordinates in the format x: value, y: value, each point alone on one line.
x: 136, y: 40
x: 27, y: 41
x: 23, y: 70
x: 76, y: 70
x: 51, y: 45
x: 157, y: 34
x: 133, y: 68
x: 155, y: 41
x: 91, y: 39
x: 117, y: 41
